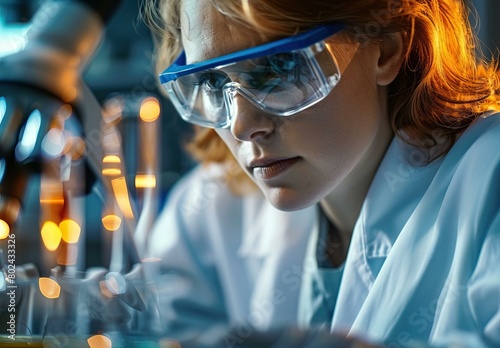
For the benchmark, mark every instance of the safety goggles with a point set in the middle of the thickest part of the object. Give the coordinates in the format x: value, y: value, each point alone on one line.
x: 282, y: 78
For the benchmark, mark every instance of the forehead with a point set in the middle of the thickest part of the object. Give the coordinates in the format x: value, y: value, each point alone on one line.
x: 206, y: 33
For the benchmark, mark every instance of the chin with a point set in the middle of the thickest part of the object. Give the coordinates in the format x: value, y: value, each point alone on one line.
x: 289, y: 200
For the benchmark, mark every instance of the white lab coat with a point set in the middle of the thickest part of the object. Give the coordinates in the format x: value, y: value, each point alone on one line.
x: 424, y: 261
x: 422, y: 265
x: 230, y: 261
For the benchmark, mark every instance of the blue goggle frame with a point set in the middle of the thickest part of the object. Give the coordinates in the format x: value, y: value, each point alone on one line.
x: 296, y: 42
x: 193, y: 92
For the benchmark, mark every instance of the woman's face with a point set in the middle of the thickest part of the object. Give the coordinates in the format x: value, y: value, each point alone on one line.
x: 298, y: 160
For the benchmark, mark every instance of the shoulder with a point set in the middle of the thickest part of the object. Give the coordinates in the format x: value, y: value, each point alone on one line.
x: 198, y: 209
x: 203, y: 184
x: 473, y: 166
x: 198, y: 196
x: 202, y: 208
x: 477, y: 151
x: 485, y: 133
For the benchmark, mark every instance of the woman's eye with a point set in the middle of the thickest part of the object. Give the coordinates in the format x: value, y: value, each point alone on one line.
x: 282, y: 63
x: 270, y: 70
x: 213, y: 81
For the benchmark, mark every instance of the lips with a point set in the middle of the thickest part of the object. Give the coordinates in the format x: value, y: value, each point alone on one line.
x: 270, y: 168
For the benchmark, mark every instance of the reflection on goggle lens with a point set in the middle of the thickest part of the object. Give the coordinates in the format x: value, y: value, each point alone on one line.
x: 281, y: 84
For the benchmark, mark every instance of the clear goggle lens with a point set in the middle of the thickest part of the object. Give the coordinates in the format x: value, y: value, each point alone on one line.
x: 280, y: 84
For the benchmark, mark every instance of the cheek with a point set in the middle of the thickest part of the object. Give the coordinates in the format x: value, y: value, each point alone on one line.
x: 355, y: 100
x: 347, y: 118
x: 231, y: 142
x: 341, y: 129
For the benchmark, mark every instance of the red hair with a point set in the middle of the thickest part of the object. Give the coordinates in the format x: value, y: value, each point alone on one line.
x: 443, y: 84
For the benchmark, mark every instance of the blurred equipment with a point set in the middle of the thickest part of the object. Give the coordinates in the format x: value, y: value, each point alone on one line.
x: 44, y: 104
x: 49, y: 133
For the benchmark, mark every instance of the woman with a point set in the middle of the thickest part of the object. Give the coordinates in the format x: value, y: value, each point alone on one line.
x: 378, y: 113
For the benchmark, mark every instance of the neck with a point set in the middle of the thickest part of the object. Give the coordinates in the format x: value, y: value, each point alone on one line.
x: 343, y: 205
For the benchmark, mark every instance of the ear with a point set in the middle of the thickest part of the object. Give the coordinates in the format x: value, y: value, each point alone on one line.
x: 390, y: 59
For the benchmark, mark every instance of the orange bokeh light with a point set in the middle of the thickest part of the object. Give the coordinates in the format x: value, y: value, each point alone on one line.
x: 111, y: 222
x: 51, y: 235
x: 150, y: 110
x: 4, y: 229
x: 49, y: 288
x: 70, y: 231
x: 145, y: 181
x: 99, y: 341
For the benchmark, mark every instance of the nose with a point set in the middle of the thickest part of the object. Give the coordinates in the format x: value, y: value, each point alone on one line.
x: 248, y: 122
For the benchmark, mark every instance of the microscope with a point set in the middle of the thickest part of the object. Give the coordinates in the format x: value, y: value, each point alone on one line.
x: 42, y: 95
x: 50, y: 128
